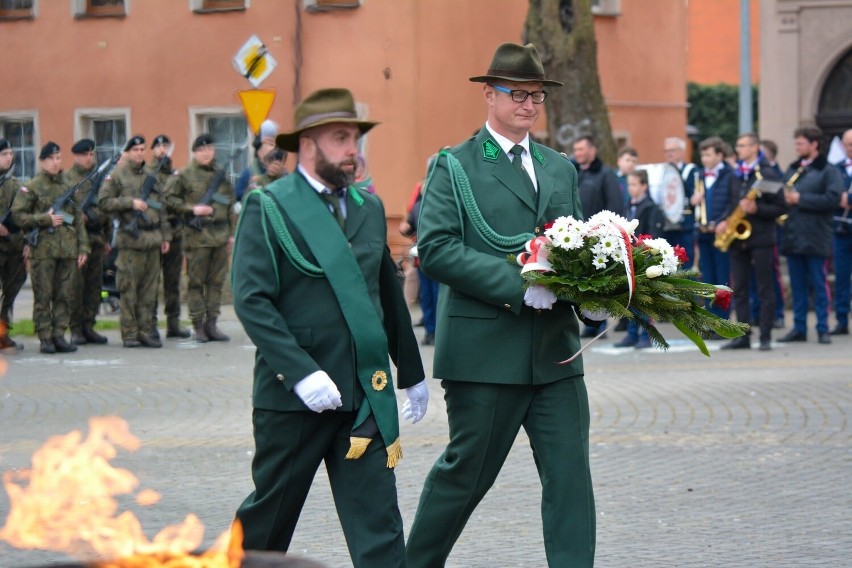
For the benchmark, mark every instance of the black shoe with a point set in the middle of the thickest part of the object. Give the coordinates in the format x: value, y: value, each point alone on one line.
x: 149, y: 341
x: 627, y: 341
x: 154, y: 334
x: 824, y: 338
x: 132, y: 343
x: 47, y: 346
x: 63, y: 346
x: 794, y: 336
x: 840, y: 330
x: 765, y: 345
x: 778, y: 323
x: 78, y: 338
x: 643, y: 343
x: 428, y: 339
x: 742, y: 342
x: 93, y: 336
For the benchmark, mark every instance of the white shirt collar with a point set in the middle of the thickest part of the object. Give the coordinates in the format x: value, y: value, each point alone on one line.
x: 507, y: 144
x: 315, y: 183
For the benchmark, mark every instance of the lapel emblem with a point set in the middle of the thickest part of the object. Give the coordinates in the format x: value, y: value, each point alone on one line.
x: 537, y: 154
x: 490, y: 150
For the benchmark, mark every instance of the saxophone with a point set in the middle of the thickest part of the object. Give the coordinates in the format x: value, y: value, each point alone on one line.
x: 737, y: 226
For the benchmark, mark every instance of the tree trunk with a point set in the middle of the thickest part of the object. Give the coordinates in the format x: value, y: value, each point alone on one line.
x: 563, y: 31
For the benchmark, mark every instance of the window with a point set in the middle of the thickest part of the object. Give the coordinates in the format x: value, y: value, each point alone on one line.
x: 107, y: 127
x: 100, y: 8
x: 327, y: 5
x: 231, y: 137
x: 217, y: 5
x: 20, y: 132
x: 16, y: 9
x: 606, y: 7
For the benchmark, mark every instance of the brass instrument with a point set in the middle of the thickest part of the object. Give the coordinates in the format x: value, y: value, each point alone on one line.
x: 702, y: 207
x: 788, y: 186
x: 737, y: 227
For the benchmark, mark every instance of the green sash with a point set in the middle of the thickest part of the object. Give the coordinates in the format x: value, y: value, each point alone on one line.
x: 326, y: 241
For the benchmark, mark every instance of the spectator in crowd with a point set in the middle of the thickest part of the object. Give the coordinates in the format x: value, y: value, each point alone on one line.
x: 628, y: 159
x: 843, y: 241
x: 674, y: 150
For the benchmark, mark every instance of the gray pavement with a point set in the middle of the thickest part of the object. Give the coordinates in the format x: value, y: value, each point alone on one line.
x: 741, y: 459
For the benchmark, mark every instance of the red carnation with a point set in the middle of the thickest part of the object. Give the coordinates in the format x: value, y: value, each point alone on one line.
x: 681, y: 255
x: 722, y: 299
x: 548, y: 225
x: 642, y: 238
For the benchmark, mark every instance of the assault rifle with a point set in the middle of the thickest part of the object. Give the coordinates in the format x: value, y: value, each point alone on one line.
x: 149, y: 186
x: 211, y: 194
x: 6, y: 219
x: 58, y: 206
x: 91, y: 198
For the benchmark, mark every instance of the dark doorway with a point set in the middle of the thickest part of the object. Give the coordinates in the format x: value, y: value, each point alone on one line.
x: 835, y: 102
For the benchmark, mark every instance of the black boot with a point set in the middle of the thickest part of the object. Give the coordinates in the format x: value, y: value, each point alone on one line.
x: 213, y: 333
x: 77, y: 336
x: 200, y: 333
x: 46, y: 346
x: 154, y: 334
x: 62, y: 346
x: 173, y: 329
x: 93, y: 336
x: 150, y: 340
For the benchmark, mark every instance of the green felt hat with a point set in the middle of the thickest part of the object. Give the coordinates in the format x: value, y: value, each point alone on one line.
x: 322, y: 107
x: 518, y: 63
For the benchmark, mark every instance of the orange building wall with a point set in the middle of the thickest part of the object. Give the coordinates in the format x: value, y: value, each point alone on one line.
x: 407, y: 62
x: 714, y: 41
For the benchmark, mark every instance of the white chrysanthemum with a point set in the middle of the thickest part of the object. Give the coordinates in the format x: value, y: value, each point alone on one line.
x: 566, y: 233
x: 599, y: 261
x: 666, y: 251
x: 606, y: 218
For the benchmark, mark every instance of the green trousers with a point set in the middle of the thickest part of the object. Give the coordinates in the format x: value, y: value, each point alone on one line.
x: 87, y: 286
x: 484, y: 421
x: 289, y: 447
x: 137, y: 279
x: 206, y: 269
x: 51, y: 280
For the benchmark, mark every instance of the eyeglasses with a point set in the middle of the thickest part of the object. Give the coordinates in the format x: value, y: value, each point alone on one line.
x: 520, y: 96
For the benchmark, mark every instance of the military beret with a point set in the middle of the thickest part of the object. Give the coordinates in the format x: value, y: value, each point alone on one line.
x: 4, y: 144
x: 135, y: 141
x: 48, y: 150
x: 83, y: 146
x: 203, y: 140
x: 160, y: 139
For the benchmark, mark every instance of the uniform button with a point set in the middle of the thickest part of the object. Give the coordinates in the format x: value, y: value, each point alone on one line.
x: 280, y: 377
x: 507, y: 306
x: 537, y: 230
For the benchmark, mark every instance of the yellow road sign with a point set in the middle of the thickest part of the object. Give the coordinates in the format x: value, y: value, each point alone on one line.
x: 256, y: 105
x: 253, y: 61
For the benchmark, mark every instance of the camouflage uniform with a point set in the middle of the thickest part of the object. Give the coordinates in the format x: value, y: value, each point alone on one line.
x: 172, y: 261
x: 138, y: 263
x: 206, y: 250
x: 258, y: 182
x: 53, y: 261
x: 13, y: 271
x: 89, y: 280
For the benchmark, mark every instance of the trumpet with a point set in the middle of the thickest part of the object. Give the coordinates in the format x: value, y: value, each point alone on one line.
x: 701, y: 208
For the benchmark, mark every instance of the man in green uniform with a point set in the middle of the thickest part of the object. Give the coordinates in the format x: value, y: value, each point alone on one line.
x: 172, y: 261
x: 316, y: 290
x: 143, y: 234
x: 13, y: 270
x: 60, y: 248
x: 88, y: 281
x: 206, y: 237
x: 464, y: 236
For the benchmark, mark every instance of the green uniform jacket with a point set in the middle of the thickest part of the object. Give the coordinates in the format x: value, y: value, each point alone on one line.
x: 295, y: 320
x: 164, y: 176
x: 117, y: 193
x: 185, y: 190
x: 9, y: 187
x: 99, y: 224
x: 30, y: 211
x: 485, y: 333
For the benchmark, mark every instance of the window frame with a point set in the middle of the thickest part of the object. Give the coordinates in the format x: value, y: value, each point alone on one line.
x: 315, y: 6
x: 7, y: 14
x: 610, y: 8
x: 84, y: 122
x: 84, y: 9
x: 22, y: 116
x: 206, y: 7
x: 198, y: 117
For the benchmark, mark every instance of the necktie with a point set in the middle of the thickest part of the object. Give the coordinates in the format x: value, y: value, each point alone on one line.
x: 632, y: 210
x: 516, y: 151
x: 333, y: 198
x: 709, y: 174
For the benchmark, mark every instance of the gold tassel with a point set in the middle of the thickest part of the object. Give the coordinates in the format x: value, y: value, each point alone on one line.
x: 394, y: 454
x: 357, y: 447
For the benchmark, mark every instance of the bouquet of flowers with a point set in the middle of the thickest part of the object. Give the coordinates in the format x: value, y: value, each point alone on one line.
x: 600, y: 265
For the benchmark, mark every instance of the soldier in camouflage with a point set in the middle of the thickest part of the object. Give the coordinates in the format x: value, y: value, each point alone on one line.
x: 206, y: 249
x: 274, y: 161
x: 61, y: 248
x: 89, y: 280
x: 13, y: 271
x: 172, y: 261
x: 143, y: 235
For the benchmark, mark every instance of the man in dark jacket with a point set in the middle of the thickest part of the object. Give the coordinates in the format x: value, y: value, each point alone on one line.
x: 843, y: 242
x: 760, y: 210
x: 812, y: 195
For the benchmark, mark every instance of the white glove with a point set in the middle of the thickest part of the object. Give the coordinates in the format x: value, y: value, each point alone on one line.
x: 594, y: 316
x: 318, y: 392
x: 414, y: 408
x: 539, y: 297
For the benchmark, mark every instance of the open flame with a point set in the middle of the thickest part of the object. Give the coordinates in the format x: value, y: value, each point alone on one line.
x: 69, y: 507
